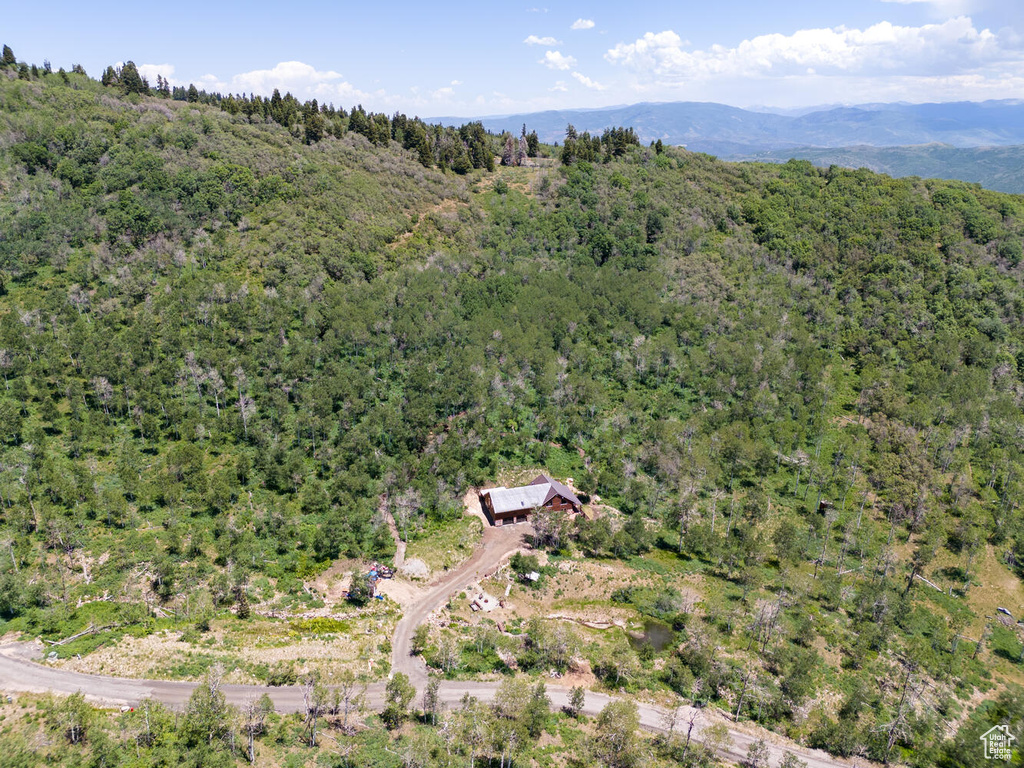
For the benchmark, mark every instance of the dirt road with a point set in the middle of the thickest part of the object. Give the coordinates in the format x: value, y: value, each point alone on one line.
x: 21, y: 672
x: 494, y: 545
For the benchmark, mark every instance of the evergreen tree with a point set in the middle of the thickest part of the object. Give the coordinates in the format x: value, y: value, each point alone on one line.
x: 132, y: 81
x: 315, y: 127
x: 380, y: 129
x: 569, y: 148
x: 357, y: 122
x: 532, y: 144
x: 462, y: 164
x: 8, y: 59
x: 417, y: 141
x: 193, y: 94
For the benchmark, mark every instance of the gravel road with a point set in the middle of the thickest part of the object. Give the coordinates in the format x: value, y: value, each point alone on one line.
x: 21, y: 671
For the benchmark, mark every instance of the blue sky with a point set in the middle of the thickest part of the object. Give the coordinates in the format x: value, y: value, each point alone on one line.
x: 482, y: 58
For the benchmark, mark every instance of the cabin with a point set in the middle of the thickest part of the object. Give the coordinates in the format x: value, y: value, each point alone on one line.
x: 507, y: 506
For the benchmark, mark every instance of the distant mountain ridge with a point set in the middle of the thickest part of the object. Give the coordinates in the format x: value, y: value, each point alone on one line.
x: 998, y: 168
x: 722, y: 130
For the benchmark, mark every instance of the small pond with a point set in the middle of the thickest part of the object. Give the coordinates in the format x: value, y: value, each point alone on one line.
x: 656, y: 633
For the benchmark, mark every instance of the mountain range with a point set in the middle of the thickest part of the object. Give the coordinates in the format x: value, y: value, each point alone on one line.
x: 971, y: 141
x: 719, y: 129
x: 999, y: 168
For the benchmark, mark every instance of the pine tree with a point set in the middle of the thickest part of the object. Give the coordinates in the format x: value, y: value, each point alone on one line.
x: 462, y: 164
x: 532, y: 144
x: 8, y: 60
x: 380, y: 129
x: 416, y: 140
x: 315, y: 128
x: 132, y: 81
x: 357, y: 121
x: 193, y: 94
x: 569, y: 149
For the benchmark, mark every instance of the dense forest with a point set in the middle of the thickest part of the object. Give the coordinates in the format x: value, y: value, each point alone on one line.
x: 234, y: 331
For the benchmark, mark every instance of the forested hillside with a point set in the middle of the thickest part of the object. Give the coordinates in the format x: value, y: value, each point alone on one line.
x: 226, y: 348
x: 997, y: 168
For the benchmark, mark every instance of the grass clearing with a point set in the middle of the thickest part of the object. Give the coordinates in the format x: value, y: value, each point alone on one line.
x: 447, y: 545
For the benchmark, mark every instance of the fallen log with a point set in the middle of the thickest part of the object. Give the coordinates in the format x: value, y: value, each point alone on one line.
x: 92, y: 630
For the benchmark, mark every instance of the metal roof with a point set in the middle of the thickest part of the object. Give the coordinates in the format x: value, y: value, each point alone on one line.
x: 557, y: 488
x: 525, y: 497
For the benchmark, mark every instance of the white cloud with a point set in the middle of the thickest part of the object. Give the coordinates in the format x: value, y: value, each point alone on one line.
x: 587, y: 81
x: 208, y: 82
x: 150, y: 71
x: 456, y: 82
x: 947, y: 48
x: 942, y: 7
x: 556, y: 60
x: 582, y: 24
x: 559, y: 86
x: 304, y: 81
x: 286, y: 76
x: 534, y: 40
x: 211, y: 83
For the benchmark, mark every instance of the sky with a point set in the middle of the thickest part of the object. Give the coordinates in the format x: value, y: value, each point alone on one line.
x: 488, y: 58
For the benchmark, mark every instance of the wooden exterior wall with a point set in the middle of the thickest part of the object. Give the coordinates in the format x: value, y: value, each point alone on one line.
x: 558, y: 503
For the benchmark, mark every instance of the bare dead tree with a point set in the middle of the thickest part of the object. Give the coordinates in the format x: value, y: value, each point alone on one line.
x: 899, y: 726
x: 6, y: 362
x: 247, y: 409
x: 691, y: 723
x: 349, y: 695
x: 431, y: 699
x: 195, y: 371
x: 508, y: 153
x: 104, y: 392
x: 254, y: 717
x: 216, y: 385
x: 716, y: 496
x: 314, y: 700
